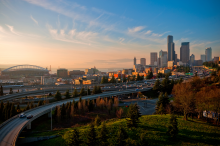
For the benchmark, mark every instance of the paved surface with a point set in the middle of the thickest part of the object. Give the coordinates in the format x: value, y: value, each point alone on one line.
x: 147, y: 107
x: 10, y: 132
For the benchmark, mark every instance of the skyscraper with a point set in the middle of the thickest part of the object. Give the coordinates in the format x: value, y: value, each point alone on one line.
x: 153, y: 58
x: 208, y: 53
x: 163, y: 58
x: 143, y: 61
x: 184, y: 52
x: 170, y: 48
x: 192, y: 59
x: 134, y: 60
x: 203, y: 58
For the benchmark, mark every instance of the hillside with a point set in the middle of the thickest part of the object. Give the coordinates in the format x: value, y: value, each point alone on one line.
x: 154, y: 126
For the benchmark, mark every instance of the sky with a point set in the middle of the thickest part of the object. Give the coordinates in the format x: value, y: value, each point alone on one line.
x: 105, y: 34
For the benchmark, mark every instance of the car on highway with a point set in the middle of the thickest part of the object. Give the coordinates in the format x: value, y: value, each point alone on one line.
x: 137, y: 90
x: 22, y: 115
x: 29, y: 116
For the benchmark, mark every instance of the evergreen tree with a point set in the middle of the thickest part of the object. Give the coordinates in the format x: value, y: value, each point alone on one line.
x: 121, y: 137
x: 157, y: 85
x: 31, y: 106
x: 1, y: 91
x: 82, y: 92
x: 161, y: 109
x: 55, y: 114
x: 63, y: 112
x: 91, y: 136
x: 74, y: 139
x: 99, y: 90
x: 1, y: 110
x: 181, y: 80
x: 12, y: 111
x: 133, y: 115
x: 124, y: 78
x: 28, y: 107
x: 172, y: 128
x: 58, y: 95
x: 89, y: 92
x: 95, y: 89
x: 97, y: 121
x: 103, y: 135
x: 112, y: 79
x: 11, y: 91
x: 67, y: 94
x: 75, y: 93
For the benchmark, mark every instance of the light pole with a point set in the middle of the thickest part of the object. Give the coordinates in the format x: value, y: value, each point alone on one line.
x: 51, y: 117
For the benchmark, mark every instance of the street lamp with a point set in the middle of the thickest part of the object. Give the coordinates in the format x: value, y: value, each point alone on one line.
x: 51, y: 116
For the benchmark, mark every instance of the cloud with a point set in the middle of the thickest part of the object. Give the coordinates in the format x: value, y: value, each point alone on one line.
x: 72, y: 36
x: 11, y: 28
x: 148, y: 32
x: 159, y: 35
x: 135, y: 29
x: 121, y: 40
x: 35, y: 21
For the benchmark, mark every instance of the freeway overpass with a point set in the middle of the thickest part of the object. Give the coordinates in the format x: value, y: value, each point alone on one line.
x: 42, y: 92
x: 10, y: 129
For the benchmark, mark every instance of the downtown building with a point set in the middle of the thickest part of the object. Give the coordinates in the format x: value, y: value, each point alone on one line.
x: 208, y: 53
x: 153, y: 58
x: 143, y: 61
x: 163, y: 59
x: 184, y: 53
x: 170, y: 48
x: 203, y: 58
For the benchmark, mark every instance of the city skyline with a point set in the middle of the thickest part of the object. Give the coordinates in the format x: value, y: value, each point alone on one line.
x: 69, y: 34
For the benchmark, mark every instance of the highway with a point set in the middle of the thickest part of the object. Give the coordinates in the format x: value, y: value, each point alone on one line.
x: 10, y: 130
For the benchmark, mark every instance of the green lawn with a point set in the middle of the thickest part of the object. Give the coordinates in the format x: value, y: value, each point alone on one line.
x: 154, y: 126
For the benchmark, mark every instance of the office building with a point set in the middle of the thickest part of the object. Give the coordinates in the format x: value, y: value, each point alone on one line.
x: 203, y: 58
x: 208, y: 53
x: 134, y: 60
x: 91, y: 71
x: 198, y: 62
x: 62, y: 73
x: 175, y: 61
x: 163, y: 58
x: 153, y: 58
x: 158, y: 63
x: 192, y: 59
x: 170, y: 48
x: 143, y: 61
x: 170, y: 63
x: 184, y: 52
x: 216, y: 59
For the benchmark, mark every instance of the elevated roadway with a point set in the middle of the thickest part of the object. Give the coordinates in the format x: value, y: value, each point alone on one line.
x: 10, y: 129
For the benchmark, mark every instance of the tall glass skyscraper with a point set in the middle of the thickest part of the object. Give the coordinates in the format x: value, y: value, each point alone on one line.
x: 184, y: 52
x: 208, y: 53
x: 170, y: 48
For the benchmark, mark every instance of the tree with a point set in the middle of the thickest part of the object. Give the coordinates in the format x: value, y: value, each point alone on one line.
x: 11, y: 91
x: 103, y: 135
x: 75, y: 93
x: 72, y: 138
x: 91, y: 136
x: 12, y: 111
x: 97, y: 121
x: 161, y: 109
x: 121, y: 136
x: 1, y: 91
x: 124, y: 78
x: 58, y: 95
x: 82, y: 92
x: 172, y: 128
x: 112, y: 79
x: 99, y: 90
x: 63, y: 112
x: 95, y: 89
x: 28, y: 107
x: 88, y: 91
x: 133, y: 115
x: 67, y: 94
x: 162, y: 102
x: 104, y: 80
x: 157, y: 85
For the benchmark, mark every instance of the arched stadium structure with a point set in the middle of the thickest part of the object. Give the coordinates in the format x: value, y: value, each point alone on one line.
x: 25, y: 70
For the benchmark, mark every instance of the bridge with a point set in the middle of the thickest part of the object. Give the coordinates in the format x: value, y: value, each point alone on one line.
x: 10, y: 129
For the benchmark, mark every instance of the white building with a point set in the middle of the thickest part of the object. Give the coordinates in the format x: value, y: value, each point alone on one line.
x: 208, y: 53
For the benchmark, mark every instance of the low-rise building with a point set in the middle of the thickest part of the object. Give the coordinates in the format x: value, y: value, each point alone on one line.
x: 62, y: 73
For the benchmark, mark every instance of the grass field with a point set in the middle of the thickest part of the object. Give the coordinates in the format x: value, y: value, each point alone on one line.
x: 191, y: 133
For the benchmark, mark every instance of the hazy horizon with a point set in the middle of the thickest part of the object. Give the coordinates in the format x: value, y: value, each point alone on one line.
x: 105, y: 34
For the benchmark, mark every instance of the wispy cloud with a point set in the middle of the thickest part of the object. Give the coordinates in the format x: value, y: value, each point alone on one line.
x: 121, y: 40
x: 159, y: 35
x: 135, y: 29
x: 35, y: 21
x: 72, y: 36
x: 11, y: 28
x: 148, y: 32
